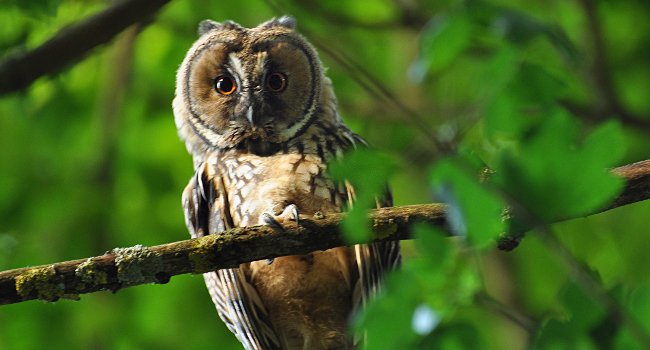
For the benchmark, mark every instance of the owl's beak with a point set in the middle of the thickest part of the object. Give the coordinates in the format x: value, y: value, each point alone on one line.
x: 249, y: 114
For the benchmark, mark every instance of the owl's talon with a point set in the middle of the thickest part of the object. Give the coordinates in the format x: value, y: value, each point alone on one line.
x: 268, y: 219
x: 290, y: 212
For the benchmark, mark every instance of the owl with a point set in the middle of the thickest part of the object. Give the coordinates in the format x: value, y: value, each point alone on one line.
x: 259, y: 118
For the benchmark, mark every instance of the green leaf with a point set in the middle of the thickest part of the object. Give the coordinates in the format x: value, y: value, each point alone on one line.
x: 605, y: 143
x: 442, y: 40
x: 637, y: 306
x: 525, y: 95
x: 433, y: 245
x: 556, y: 176
x: 573, y: 330
x: 500, y: 70
x: 474, y: 212
x: 584, y: 313
x: 401, y: 297
x: 368, y: 172
x: 520, y: 28
x: 535, y: 86
x: 503, y: 119
x: 36, y: 7
x: 454, y: 336
x: 435, y: 283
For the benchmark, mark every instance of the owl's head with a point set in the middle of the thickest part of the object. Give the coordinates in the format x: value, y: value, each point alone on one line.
x: 239, y: 86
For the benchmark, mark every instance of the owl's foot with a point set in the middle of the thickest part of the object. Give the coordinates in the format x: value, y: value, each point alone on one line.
x: 290, y: 212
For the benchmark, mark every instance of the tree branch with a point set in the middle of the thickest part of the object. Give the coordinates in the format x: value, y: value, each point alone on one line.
x: 637, y: 184
x: 125, y: 267
x: 70, y: 44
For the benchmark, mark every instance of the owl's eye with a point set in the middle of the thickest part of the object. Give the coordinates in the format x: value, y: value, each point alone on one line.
x: 225, y: 85
x: 276, y: 82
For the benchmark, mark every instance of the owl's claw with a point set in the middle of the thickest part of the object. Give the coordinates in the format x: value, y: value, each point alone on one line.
x: 290, y: 212
x: 268, y: 219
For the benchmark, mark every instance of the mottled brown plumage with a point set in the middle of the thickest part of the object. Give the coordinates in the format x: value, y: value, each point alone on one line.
x: 259, y: 118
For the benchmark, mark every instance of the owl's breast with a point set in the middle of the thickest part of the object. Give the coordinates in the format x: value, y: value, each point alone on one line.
x: 268, y: 184
x: 304, y: 294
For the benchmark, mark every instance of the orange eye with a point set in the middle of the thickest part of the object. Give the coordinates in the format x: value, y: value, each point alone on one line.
x: 225, y: 85
x: 276, y: 82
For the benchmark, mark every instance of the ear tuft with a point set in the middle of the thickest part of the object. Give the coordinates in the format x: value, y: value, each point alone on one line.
x: 284, y: 21
x: 207, y: 25
x: 287, y: 22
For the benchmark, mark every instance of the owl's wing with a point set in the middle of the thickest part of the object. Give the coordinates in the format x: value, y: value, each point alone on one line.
x: 374, y: 259
x: 237, y: 302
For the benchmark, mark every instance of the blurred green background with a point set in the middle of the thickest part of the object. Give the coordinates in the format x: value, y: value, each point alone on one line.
x: 90, y: 160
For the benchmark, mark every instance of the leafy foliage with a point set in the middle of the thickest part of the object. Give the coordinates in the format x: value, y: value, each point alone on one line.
x: 90, y: 160
x: 438, y: 281
x: 369, y: 187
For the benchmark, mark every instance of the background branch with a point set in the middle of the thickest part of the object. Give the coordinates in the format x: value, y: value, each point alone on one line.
x: 610, y: 101
x: 124, y: 267
x: 72, y: 43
